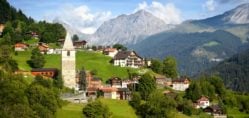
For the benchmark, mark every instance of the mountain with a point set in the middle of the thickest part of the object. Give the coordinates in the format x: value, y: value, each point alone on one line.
x: 237, y: 16
x: 234, y: 71
x: 194, y: 52
x: 128, y: 29
x: 200, y: 44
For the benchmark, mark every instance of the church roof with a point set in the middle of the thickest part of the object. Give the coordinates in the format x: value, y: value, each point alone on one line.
x: 68, y: 44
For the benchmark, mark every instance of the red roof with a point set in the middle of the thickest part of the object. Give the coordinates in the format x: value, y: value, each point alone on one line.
x: 108, y: 89
x: 20, y: 45
x: 203, y: 98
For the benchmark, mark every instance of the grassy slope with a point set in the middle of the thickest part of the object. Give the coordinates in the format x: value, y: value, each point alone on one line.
x: 235, y: 113
x: 70, y: 111
x: 89, y: 60
x: 120, y: 108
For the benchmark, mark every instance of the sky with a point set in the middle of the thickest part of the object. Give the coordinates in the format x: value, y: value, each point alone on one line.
x: 87, y: 15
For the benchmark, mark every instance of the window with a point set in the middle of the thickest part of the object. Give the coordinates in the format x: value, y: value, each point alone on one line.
x: 68, y: 53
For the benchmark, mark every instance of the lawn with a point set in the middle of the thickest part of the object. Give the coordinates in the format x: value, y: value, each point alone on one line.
x: 235, y: 113
x: 70, y: 111
x: 120, y: 108
x: 88, y: 60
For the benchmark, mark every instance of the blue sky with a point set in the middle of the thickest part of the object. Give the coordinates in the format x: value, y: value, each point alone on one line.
x: 94, y: 12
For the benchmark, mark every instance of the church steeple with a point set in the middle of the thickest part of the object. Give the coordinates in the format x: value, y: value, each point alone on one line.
x: 68, y: 66
x: 68, y: 44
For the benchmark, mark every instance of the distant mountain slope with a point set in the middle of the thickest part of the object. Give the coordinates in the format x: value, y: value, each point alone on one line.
x: 195, y: 52
x: 235, y: 71
x: 128, y: 29
x: 239, y: 15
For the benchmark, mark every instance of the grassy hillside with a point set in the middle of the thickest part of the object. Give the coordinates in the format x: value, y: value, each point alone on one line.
x: 119, y: 108
x: 70, y: 111
x: 88, y: 60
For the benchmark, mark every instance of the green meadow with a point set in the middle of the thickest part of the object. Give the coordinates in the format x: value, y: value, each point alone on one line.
x: 88, y: 60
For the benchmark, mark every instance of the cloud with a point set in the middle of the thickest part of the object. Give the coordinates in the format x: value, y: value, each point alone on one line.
x: 167, y: 12
x: 210, y: 5
x: 79, y: 18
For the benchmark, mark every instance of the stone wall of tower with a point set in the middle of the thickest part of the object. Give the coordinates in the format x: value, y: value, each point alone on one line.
x: 69, y: 69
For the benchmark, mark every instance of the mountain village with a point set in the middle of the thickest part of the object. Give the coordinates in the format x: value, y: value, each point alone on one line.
x: 48, y: 70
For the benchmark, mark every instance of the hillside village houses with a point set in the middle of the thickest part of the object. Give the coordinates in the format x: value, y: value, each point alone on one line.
x: 21, y: 46
x: 202, y: 102
x: 180, y: 84
x: 110, y: 51
x: 128, y: 59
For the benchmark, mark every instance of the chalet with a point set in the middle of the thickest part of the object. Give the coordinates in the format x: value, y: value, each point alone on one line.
x: 180, y: 84
x: 76, y: 44
x: 44, y: 48
x: 203, y: 102
x: 1, y: 28
x: 163, y: 81
x: 214, y: 109
x: 110, y: 92
x: 21, y: 47
x: 46, y: 72
x: 79, y: 44
x: 124, y: 94
x: 93, y: 84
x: 115, y: 82
x: 110, y: 52
x: 128, y: 59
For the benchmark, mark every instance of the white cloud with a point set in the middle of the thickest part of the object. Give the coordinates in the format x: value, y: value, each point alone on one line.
x: 167, y: 12
x: 210, y: 5
x: 80, y: 18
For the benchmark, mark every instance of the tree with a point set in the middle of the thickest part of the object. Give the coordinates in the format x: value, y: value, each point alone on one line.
x: 156, y: 66
x: 44, y: 82
x: 194, y: 91
x: 170, y: 67
x: 75, y: 37
x: 135, y: 100
x: 146, y: 85
x: 157, y: 106
x: 37, y: 59
x: 96, y: 109
x: 82, y: 77
x: 120, y: 47
x: 58, y: 82
x: 6, y: 61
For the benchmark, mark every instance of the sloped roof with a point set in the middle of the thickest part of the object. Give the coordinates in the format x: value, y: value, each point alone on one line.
x: 122, y: 54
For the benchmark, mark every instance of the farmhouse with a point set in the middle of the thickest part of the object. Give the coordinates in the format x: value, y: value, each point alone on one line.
x: 110, y: 52
x: 203, y: 102
x: 93, y: 84
x: 76, y: 44
x: 21, y: 47
x: 128, y: 59
x: 46, y: 72
x: 44, y: 48
x: 180, y: 84
x: 124, y: 94
x: 115, y: 82
x: 110, y: 92
x: 163, y: 81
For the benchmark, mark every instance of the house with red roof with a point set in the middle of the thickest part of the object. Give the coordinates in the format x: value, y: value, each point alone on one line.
x: 203, y: 102
x: 110, y: 52
x: 21, y: 46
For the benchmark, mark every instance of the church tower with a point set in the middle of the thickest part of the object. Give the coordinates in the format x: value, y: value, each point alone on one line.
x: 68, y: 63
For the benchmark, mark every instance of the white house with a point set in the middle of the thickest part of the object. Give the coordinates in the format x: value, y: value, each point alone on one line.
x: 128, y: 59
x: 203, y: 102
x: 110, y: 92
x: 21, y: 47
x: 110, y: 52
x: 180, y: 84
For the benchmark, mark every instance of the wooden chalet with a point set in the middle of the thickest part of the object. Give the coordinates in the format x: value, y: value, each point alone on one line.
x: 46, y: 72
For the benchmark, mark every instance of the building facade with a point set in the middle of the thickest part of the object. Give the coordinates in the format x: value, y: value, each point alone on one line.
x: 68, y: 64
x: 128, y: 59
